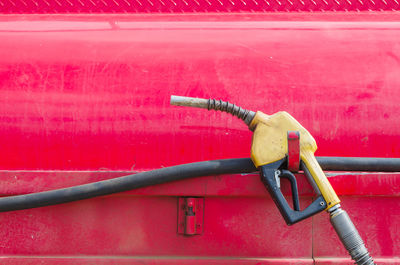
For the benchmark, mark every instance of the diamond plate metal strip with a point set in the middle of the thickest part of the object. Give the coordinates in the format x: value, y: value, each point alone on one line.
x: 191, y: 6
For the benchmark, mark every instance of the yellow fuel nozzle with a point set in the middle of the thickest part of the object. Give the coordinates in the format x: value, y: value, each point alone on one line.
x: 268, y: 152
x: 269, y: 142
x: 270, y: 145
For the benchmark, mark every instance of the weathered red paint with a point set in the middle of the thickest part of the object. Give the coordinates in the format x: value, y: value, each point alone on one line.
x: 146, y: 260
x: 85, y: 98
x: 79, y: 94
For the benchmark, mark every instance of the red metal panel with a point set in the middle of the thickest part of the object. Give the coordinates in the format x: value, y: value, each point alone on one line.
x: 146, y: 260
x: 91, y: 93
x: 240, y: 221
x: 146, y: 226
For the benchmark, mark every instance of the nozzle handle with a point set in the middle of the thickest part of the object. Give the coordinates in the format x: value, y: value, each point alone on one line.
x: 269, y: 174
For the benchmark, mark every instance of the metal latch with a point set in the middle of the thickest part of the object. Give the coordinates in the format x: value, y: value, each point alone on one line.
x: 190, y: 216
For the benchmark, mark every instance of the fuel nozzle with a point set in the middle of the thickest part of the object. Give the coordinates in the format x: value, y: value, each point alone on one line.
x: 269, y: 148
x: 213, y: 104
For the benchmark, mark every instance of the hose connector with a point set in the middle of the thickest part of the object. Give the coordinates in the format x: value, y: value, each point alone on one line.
x: 349, y: 236
x: 213, y: 104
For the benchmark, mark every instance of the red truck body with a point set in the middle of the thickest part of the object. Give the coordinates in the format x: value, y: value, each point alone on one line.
x: 86, y: 97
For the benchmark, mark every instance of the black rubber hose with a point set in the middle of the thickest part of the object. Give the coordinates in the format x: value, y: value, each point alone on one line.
x: 130, y: 182
x: 359, y: 164
x: 168, y: 174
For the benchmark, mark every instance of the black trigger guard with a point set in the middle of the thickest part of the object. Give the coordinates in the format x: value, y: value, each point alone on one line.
x: 293, y: 183
x: 267, y: 173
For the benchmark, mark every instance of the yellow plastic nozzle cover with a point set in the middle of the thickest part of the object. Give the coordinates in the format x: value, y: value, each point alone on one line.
x: 269, y: 145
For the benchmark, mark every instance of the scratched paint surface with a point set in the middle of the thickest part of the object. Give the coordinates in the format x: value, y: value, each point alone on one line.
x: 88, y: 96
x: 241, y: 225
x: 91, y: 93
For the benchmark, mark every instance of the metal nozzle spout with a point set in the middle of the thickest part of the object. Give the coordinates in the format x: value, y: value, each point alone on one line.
x: 189, y: 102
x: 224, y: 106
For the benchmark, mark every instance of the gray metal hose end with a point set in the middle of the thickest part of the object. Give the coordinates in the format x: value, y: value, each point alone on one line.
x: 350, y: 237
x: 189, y: 102
x: 213, y: 104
